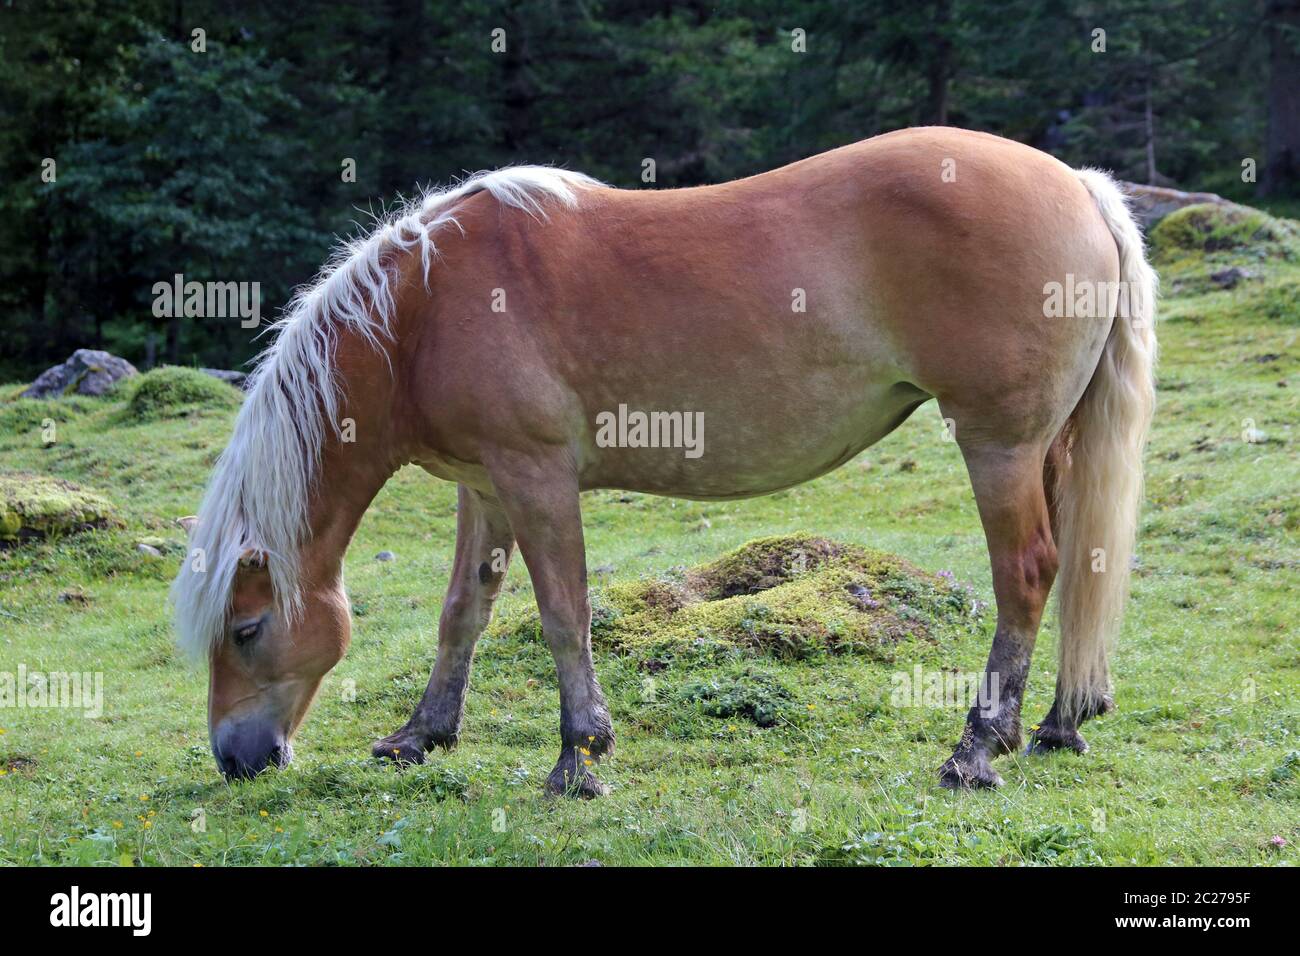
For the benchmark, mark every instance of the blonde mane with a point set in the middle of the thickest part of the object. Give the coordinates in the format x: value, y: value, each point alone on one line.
x: 260, y: 488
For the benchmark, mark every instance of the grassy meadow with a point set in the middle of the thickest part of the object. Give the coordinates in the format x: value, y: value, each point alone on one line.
x: 729, y: 751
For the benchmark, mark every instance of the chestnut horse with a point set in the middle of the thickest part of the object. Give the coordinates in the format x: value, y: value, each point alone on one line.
x: 802, y: 314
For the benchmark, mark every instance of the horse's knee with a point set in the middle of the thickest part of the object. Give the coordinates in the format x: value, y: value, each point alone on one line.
x: 1039, y: 564
x: 1025, y: 576
x: 464, y: 614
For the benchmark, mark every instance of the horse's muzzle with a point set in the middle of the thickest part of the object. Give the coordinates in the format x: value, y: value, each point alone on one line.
x: 245, y: 748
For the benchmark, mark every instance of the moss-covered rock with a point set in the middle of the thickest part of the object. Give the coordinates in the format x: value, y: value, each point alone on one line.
x: 789, y: 596
x: 172, y: 392
x: 38, y: 506
x: 1213, y: 227
x: 86, y: 372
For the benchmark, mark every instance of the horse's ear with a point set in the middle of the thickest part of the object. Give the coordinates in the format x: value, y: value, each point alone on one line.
x: 188, y: 523
x: 253, y: 560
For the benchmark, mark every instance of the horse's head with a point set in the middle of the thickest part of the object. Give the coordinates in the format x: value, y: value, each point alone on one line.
x: 264, y: 673
x: 264, y: 670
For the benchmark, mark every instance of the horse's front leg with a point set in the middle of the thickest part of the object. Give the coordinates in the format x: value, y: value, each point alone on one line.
x: 540, y: 494
x: 1008, y: 484
x: 484, y: 544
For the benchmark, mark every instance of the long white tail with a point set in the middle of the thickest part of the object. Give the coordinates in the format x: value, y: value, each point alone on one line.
x: 1099, y: 493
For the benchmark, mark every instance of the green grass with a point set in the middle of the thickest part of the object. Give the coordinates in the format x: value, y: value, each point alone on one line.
x: 728, y: 752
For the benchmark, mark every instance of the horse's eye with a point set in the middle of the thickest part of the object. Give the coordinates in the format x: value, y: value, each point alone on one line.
x: 246, y: 633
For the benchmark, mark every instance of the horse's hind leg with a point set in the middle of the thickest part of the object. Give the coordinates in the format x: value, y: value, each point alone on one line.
x: 484, y: 544
x: 1060, y: 729
x: 1008, y: 484
x: 540, y: 494
x: 1058, y: 732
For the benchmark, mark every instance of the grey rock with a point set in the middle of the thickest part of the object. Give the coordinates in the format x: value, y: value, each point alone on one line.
x: 862, y: 597
x: 149, y: 550
x: 237, y: 379
x: 87, y: 372
x: 385, y: 556
x: 1150, y: 204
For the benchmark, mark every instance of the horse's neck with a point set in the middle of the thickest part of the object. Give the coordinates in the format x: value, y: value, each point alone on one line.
x: 358, y: 457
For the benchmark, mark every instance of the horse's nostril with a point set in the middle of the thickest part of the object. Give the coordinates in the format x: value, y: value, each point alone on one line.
x: 233, y: 770
x: 224, y: 763
x: 245, y: 748
x: 282, y: 754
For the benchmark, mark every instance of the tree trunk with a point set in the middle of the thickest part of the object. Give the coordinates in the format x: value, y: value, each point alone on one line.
x: 38, y: 290
x: 404, y: 131
x: 1281, y: 173
x: 519, y: 93
x: 173, y: 346
x: 939, y: 70
x: 1150, y: 124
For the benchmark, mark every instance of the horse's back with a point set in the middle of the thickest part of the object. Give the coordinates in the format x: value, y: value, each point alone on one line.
x: 802, y: 312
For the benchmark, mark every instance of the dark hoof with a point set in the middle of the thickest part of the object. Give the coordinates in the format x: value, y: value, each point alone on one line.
x: 968, y: 773
x: 570, y: 778
x: 1047, y: 738
x: 401, y: 748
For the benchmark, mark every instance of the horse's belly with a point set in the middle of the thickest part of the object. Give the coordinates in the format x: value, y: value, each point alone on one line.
x: 739, y: 446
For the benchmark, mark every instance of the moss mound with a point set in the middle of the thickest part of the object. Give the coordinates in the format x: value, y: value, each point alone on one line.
x: 790, y: 596
x: 1210, y: 227
x: 34, y: 506
x: 174, y: 392
x: 25, y: 414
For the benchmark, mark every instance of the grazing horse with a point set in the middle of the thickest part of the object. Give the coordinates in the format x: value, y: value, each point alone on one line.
x: 487, y: 333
